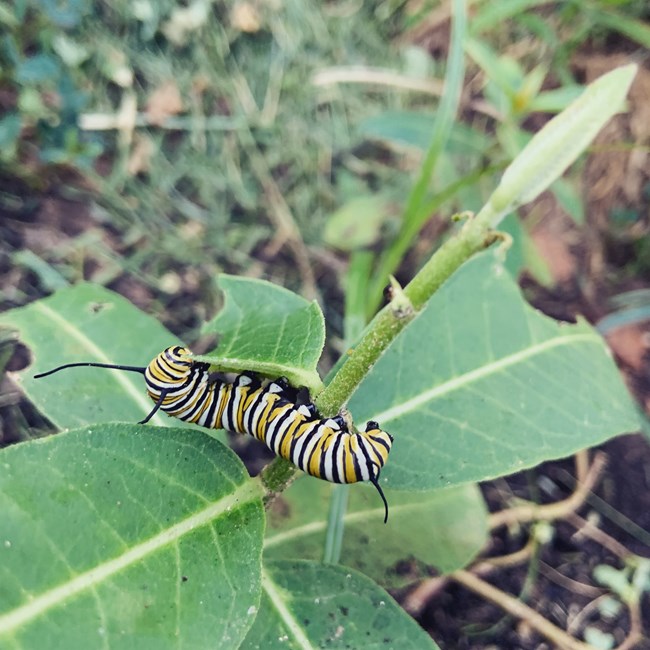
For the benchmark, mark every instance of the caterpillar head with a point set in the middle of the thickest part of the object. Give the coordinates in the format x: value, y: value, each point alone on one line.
x: 178, y: 356
x: 170, y: 368
x: 174, y: 361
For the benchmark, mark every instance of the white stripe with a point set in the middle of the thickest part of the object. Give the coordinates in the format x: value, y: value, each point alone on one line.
x: 236, y: 397
x: 340, y: 457
x: 205, y: 399
x: 309, y: 449
x: 277, y: 427
x: 329, y: 463
x: 254, y: 416
x: 355, y: 445
x: 305, y: 431
x: 221, y: 397
x: 300, y: 441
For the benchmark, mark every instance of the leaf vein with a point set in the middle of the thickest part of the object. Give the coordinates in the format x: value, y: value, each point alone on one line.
x: 476, y: 374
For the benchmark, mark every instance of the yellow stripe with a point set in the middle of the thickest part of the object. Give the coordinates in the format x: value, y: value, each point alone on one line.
x: 250, y: 398
x: 289, y: 434
x: 269, y: 413
x: 350, y: 474
x: 224, y: 395
x: 313, y: 466
x: 241, y: 409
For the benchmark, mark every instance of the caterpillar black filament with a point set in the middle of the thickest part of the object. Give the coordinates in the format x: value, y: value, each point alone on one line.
x: 321, y: 447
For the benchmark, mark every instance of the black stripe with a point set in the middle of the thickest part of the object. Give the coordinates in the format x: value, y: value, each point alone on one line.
x: 296, y: 437
x: 202, y: 397
x: 369, y: 462
x: 279, y: 429
x: 300, y: 461
x: 268, y: 408
x: 336, y: 473
x: 225, y: 391
x: 212, y: 391
x: 265, y: 391
x: 229, y: 411
x: 355, y: 462
x: 321, y: 460
x: 248, y: 418
x: 185, y: 393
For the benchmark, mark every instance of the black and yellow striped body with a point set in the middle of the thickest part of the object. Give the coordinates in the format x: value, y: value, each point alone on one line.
x: 321, y: 447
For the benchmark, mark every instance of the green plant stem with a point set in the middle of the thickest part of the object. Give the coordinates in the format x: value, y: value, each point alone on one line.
x: 356, y: 290
x: 336, y: 524
x: 474, y: 236
x: 542, y: 161
x: 414, y: 218
x: 274, y: 482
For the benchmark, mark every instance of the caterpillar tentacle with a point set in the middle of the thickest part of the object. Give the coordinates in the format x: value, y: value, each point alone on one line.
x: 110, y: 366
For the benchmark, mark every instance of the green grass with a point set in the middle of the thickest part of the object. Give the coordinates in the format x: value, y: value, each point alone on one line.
x: 246, y: 176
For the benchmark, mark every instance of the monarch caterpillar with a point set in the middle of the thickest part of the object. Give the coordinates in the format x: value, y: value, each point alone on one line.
x: 321, y: 447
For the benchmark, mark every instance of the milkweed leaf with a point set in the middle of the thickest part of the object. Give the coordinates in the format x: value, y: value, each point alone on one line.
x: 88, y: 323
x: 440, y: 528
x: 267, y: 329
x: 480, y: 385
x: 311, y: 605
x: 124, y: 536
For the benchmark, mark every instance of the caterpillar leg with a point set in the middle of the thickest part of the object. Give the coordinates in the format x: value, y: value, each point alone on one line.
x: 303, y: 397
x: 217, y: 378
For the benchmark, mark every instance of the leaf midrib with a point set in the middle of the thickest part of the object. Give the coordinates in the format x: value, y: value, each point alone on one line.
x: 279, y: 603
x: 467, y: 378
x: 93, y: 577
x: 272, y: 369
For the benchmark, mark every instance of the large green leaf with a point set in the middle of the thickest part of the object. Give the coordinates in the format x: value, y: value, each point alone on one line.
x: 480, y: 385
x: 88, y: 323
x: 442, y: 528
x: 267, y: 329
x: 118, y: 536
x: 307, y: 605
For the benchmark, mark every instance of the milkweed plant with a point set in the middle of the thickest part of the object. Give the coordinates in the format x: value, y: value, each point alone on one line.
x: 115, y: 534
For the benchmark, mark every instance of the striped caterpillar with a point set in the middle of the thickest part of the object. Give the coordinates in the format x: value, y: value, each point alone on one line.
x: 322, y: 447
